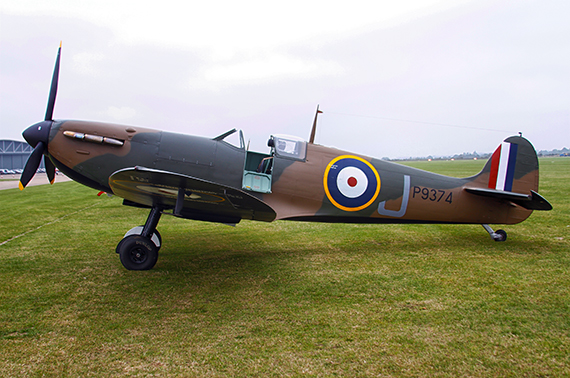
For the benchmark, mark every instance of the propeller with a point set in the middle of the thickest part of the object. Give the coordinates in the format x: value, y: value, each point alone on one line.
x: 32, y: 165
x: 37, y: 135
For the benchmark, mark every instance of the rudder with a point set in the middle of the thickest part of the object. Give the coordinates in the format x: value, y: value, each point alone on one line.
x: 513, y: 167
x: 511, y: 174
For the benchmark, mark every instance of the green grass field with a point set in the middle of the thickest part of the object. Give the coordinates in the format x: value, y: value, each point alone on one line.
x: 284, y: 298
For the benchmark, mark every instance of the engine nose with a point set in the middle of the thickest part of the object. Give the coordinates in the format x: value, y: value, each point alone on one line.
x: 37, y: 133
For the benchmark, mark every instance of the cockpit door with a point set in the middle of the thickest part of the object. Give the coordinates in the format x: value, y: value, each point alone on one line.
x: 257, y: 172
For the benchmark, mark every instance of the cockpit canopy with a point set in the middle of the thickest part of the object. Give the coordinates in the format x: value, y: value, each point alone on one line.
x: 285, y: 146
x: 288, y: 146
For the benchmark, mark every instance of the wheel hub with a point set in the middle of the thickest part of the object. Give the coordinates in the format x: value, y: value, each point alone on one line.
x: 138, y: 256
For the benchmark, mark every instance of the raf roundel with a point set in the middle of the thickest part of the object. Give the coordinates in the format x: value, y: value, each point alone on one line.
x: 351, y: 183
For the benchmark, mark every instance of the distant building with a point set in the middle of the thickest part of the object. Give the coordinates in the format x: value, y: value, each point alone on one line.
x: 14, y: 154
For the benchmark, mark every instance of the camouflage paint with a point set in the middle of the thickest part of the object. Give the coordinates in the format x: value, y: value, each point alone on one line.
x: 302, y: 190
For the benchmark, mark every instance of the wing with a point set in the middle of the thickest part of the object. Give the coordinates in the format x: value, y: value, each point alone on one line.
x: 189, y: 197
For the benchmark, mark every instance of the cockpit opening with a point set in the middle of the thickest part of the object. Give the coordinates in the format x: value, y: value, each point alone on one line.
x: 258, y: 169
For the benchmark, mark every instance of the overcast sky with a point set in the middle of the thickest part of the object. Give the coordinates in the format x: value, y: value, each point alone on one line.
x: 393, y: 78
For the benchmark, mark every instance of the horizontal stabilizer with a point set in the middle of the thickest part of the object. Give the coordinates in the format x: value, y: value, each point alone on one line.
x: 533, y: 201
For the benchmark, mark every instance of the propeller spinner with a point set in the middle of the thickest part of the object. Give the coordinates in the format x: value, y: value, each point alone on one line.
x: 37, y: 135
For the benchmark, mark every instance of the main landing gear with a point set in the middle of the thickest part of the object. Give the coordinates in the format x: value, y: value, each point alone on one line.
x: 139, y: 248
x: 499, y: 235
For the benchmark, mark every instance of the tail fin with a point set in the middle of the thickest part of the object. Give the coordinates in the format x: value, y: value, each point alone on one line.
x: 512, y: 174
x: 513, y: 167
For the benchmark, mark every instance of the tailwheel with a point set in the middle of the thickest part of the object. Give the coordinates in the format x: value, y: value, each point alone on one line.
x: 500, y: 235
x: 137, y: 252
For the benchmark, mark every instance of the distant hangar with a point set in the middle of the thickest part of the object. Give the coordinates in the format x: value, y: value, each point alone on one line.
x: 14, y: 154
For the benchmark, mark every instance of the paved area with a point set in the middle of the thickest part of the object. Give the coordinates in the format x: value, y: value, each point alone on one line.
x: 11, y: 181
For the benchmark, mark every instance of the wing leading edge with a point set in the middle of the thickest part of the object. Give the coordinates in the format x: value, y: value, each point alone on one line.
x: 188, y: 197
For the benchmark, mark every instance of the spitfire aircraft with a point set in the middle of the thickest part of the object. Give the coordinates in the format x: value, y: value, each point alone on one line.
x: 212, y: 180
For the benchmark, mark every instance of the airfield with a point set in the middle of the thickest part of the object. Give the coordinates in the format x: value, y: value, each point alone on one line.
x: 11, y: 181
x: 283, y: 298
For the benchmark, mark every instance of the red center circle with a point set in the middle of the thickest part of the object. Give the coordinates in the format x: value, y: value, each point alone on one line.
x: 352, y: 182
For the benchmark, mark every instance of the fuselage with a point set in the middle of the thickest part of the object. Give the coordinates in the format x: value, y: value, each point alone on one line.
x: 325, y: 184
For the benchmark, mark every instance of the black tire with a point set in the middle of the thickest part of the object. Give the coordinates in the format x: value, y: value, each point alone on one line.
x: 118, y: 248
x: 502, y: 235
x: 137, y: 253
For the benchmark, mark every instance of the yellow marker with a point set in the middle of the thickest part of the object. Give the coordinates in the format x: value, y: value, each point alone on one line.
x: 21, y: 186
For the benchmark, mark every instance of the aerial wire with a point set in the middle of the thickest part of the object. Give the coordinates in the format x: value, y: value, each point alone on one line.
x: 420, y: 122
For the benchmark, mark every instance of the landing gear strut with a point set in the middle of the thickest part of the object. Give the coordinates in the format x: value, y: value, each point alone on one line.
x: 499, y: 235
x: 138, y: 250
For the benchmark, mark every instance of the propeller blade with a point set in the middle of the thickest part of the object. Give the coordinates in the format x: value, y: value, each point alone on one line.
x: 53, y: 88
x: 50, y: 169
x: 32, y: 165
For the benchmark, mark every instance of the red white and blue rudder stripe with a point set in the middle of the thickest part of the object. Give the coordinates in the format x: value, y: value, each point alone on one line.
x: 503, y: 164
